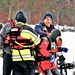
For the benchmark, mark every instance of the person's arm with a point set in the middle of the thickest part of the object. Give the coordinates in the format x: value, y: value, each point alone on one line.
x: 5, y: 29
x: 30, y: 34
x: 38, y: 29
x: 43, y: 48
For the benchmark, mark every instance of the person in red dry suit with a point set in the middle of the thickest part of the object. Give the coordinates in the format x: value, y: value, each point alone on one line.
x: 47, y: 50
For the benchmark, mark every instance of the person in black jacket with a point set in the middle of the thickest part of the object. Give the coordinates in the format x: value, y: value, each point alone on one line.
x: 44, y: 28
x: 23, y: 41
x: 23, y: 56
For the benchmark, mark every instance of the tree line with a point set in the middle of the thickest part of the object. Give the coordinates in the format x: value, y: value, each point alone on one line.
x: 63, y: 10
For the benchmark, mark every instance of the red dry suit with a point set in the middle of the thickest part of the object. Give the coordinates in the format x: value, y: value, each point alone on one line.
x: 43, y: 54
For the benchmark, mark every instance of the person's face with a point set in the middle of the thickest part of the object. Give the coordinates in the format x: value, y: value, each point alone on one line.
x: 48, y: 21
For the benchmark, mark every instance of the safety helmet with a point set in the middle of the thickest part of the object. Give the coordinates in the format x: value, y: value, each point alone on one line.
x: 20, y: 17
x: 54, y: 34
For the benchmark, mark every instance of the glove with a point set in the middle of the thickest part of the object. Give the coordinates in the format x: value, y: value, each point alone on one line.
x: 64, y: 49
x: 52, y: 59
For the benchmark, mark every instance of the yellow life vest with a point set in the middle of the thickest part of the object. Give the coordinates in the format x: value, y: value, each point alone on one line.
x: 24, y: 52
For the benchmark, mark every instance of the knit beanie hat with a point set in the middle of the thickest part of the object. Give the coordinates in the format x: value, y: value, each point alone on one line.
x: 48, y: 15
x: 54, y: 34
x: 20, y: 17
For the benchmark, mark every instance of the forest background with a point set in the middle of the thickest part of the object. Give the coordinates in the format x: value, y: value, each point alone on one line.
x: 63, y: 10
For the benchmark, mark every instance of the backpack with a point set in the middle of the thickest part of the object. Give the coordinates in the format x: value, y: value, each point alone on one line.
x: 15, y: 41
x: 14, y: 35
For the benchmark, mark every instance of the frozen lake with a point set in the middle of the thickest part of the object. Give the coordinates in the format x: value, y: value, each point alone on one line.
x: 69, y: 42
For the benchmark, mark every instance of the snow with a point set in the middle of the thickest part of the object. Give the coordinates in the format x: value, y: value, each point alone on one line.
x: 69, y: 42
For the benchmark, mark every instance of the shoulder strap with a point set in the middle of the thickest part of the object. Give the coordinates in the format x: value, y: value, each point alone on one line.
x: 21, y: 28
x: 12, y: 23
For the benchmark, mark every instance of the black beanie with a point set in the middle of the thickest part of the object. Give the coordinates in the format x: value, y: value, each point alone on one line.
x: 55, y: 33
x: 48, y: 15
x: 20, y: 17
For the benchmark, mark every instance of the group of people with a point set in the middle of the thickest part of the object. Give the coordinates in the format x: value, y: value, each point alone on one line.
x: 24, y: 46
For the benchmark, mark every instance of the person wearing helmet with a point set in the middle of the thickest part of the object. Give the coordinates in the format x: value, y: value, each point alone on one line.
x: 44, y: 28
x: 22, y: 50
x: 46, y: 53
x: 7, y: 61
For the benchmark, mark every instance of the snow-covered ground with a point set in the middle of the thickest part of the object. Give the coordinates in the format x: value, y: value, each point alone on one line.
x: 69, y: 42
x: 1, y: 63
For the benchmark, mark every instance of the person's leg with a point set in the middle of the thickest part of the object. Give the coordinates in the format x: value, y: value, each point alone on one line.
x: 20, y: 68
x: 7, y: 64
x: 17, y: 69
x: 30, y: 68
x: 55, y: 72
x: 47, y: 72
x: 43, y: 67
x: 31, y: 71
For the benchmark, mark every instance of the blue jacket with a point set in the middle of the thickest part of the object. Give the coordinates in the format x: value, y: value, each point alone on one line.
x: 42, y: 29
